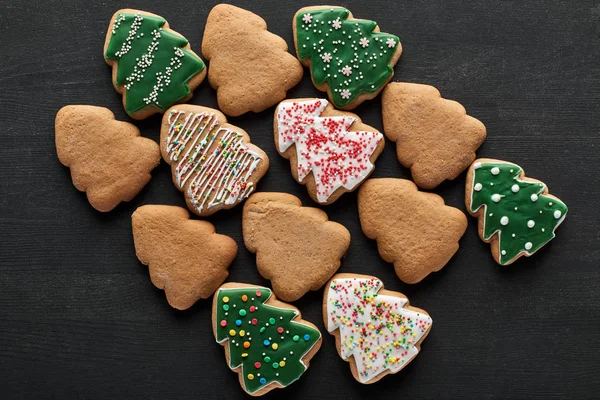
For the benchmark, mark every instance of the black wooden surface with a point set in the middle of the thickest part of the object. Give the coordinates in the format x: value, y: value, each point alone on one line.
x: 79, y: 317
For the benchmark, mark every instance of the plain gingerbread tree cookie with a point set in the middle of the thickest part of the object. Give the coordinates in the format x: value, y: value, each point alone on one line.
x: 109, y: 160
x: 153, y: 67
x: 330, y: 151
x: 297, y: 248
x: 517, y: 215
x: 348, y: 58
x: 250, y: 67
x: 376, y: 330
x: 266, y: 341
x: 414, y: 230
x: 185, y: 257
x: 434, y: 137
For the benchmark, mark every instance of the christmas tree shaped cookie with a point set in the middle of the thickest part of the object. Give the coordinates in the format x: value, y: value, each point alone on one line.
x: 153, y: 66
x: 282, y: 233
x: 185, y: 257
x: 330, y: 151
x: 435, y: 137
x: 212, y: 163
x: 250, y: 67
x: 108, y: 158
x: 348, y: 58
x: 376, y: 330
x: 414, y: 230
x: 266, y: 341
x: 517, y: 215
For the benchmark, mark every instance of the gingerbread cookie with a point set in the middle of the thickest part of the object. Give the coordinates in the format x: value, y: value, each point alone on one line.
x: 212, y: 163
x: 185, y: 257
x: 108, y: 158
x: 348, y: 58
x: 376, y: 330
x: 330, y: 151
x: 519, y: 209
x: 250, y: 67
x: 435, y: 137
x: 266, y: 341
x: 153, y: 67
x: 297, y: 248
x: 414, y: 230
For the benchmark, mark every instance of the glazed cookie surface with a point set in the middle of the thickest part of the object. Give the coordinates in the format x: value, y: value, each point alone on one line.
x: 250, y: 67
x: 297, y: 248
x: 212, y: 162
x: 435, y: 137
x: 266, y: 341
x: 153, y: 67
x: 331, y: 152
x: 348, y: 58
x: 376, y: 330
x: 109, y: 160
x: 414, y: 230
x: 517, y: 215
x: 185, y: 257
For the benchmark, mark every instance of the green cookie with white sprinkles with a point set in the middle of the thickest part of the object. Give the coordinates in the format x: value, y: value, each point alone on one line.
x: 153, y: 67
x: 266, y: 340
x: 349, y: 58
x: 517, y: 215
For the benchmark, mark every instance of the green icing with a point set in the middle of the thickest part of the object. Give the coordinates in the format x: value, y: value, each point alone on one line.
x: 151, y: 62
x: 524, y: 218
x: 278, y: 354
x: 347, y: 55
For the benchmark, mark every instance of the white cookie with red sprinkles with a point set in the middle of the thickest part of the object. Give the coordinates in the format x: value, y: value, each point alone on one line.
x: 376, y: 330
x: 330, y: 151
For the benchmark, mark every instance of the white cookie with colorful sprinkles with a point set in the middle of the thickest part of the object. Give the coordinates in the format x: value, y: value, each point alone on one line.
x: 376, y: 330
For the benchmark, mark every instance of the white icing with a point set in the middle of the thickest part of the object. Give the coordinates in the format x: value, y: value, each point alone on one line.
x: 336, y: 156
x: 377, y: 330
x: 496, y: 197
x: 534, y: 197
x: 212, y: 174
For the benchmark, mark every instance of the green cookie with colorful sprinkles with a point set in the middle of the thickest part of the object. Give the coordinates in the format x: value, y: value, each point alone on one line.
x: 266, y: 341
x: 349, y: 58
x: 153, y: 67
x: 517, y: 215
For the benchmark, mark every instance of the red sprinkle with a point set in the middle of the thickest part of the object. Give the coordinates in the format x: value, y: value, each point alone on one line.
x: 223, y: 323
x: 280, y: 330
x: 257, y: 365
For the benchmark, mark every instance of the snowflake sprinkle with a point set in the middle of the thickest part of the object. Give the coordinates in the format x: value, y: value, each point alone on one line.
x: 307, y: 19
x: 345, y: 94
x: 364, y: 42
x: 326, y: 57
x: 337, y: 23
x: 346, y: 70
x: 391, y: 43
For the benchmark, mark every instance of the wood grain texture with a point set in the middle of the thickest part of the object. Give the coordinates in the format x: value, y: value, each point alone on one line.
x: 79, y: 317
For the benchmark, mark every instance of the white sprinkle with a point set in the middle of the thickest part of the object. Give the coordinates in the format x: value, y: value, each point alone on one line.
x: 478, y: 187
x: 503, y: 252
x: 528, y: 246
x: 477, y: 165
x: 530, y: 223
x: 496, y: 197
x: 515, y: 188
x: 557, y: 214
x: 495, y: 171
x: 504, y: 220
x: 534, y: 197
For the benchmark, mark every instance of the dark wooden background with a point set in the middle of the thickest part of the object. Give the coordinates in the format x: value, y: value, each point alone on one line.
x: 79, y: 317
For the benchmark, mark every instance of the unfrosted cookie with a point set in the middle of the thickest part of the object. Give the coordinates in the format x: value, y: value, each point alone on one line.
x: 435, y: 137
x: 297, y: 248
x: 266, y: 341
x: 348, y: 58
x: 185, y: 257
x: 376, y: 330
x: 212, y: 163
x: 153, y: 67
x: 330, y: 151
x: 414, y: 230
x: 250, y: 67
x: 517, y: 215
x: 108, y: 158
